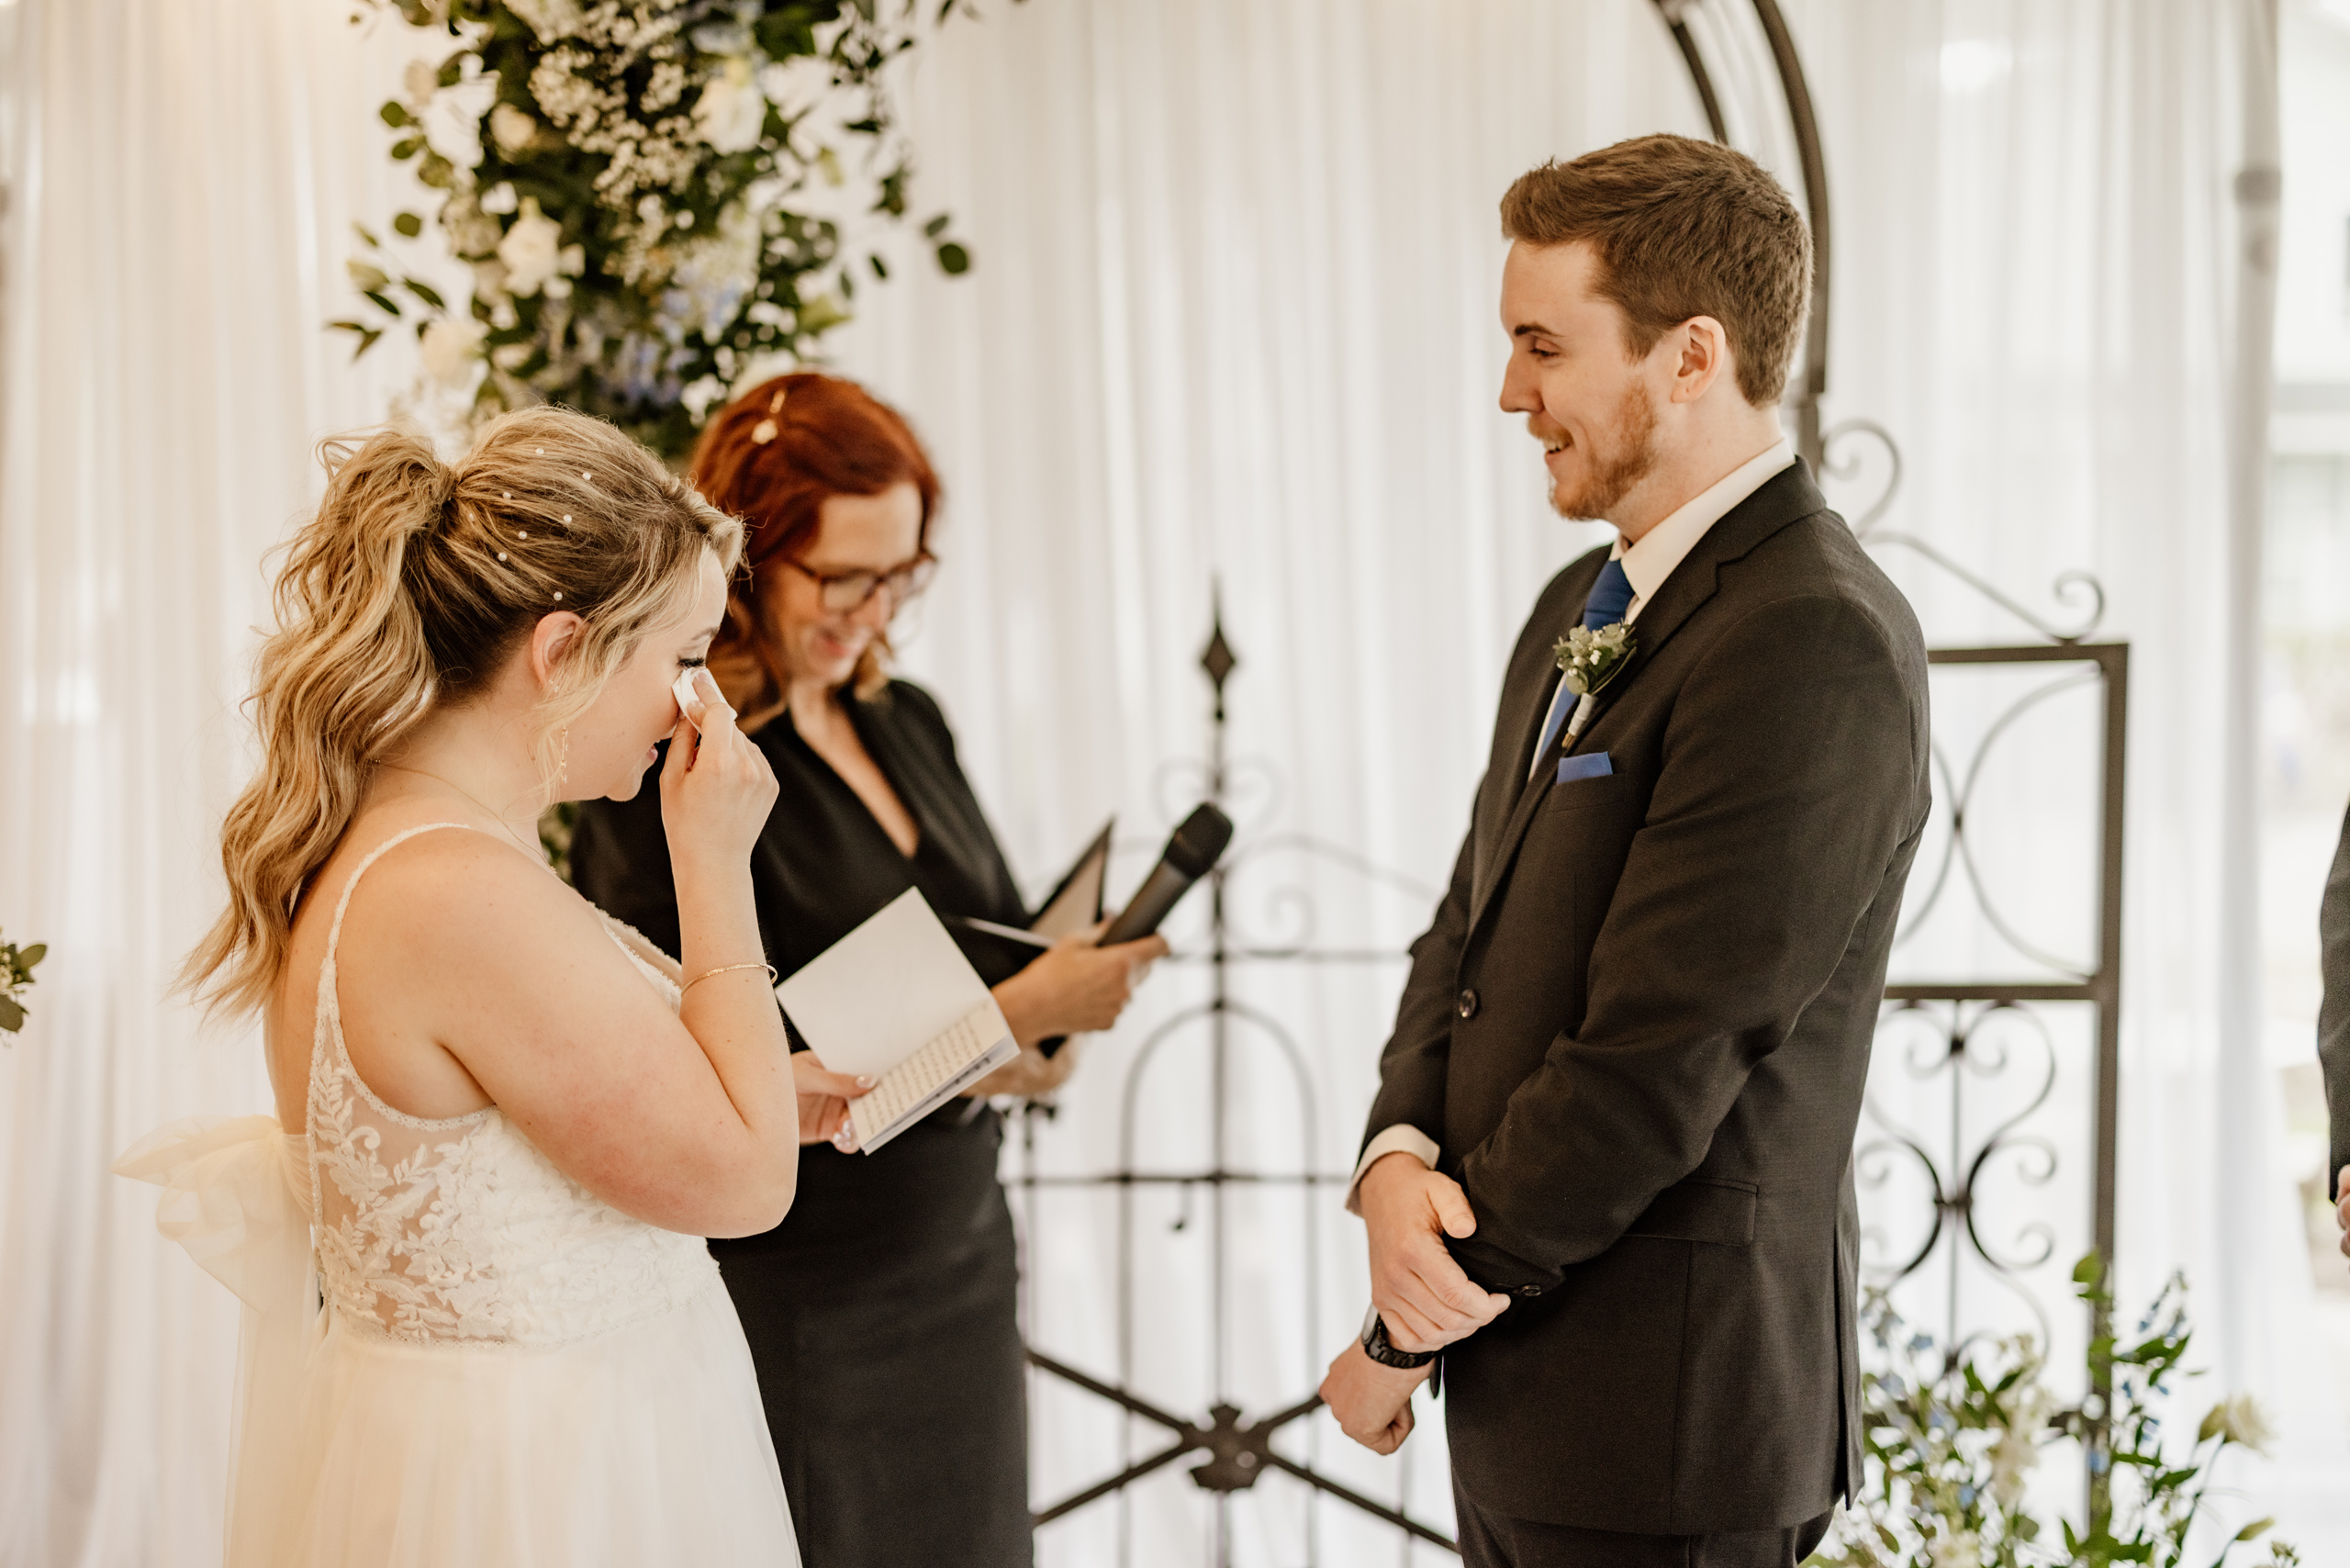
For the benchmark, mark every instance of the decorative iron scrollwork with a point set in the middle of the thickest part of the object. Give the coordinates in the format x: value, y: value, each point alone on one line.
x: 1238, y: 1449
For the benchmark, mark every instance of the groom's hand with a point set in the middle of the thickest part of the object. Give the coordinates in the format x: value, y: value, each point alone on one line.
x: 1373, y: 1404
x: 1427, y: 1300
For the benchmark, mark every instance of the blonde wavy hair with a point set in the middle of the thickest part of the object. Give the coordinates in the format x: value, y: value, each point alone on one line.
x: 404, y: 595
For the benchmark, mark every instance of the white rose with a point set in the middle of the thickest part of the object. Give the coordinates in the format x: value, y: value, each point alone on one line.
x: 731, y: 111
x: 511, y: 128
x: 533, y: 249
x: 452, y: 350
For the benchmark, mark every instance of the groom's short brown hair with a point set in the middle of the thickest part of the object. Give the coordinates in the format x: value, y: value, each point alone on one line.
x: 1682, y: 228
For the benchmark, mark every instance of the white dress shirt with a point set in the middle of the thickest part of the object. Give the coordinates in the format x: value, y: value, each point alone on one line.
x: 1647, y: 564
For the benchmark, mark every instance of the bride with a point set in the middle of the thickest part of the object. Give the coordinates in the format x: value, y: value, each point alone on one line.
x: 504, y: 1130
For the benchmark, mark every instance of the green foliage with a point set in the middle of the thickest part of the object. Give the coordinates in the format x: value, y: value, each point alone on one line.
x: 1952, y: 1437
x: 669, y: 197
x: 556, y: 825
x: 16, y: 977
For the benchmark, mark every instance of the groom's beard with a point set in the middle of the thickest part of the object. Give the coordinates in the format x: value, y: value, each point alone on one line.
x: 1624, y: 460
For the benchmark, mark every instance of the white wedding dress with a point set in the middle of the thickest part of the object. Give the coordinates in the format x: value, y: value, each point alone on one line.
x: 504, y: 1371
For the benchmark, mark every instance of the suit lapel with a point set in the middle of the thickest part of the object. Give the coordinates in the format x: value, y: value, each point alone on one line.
x: 1784, y: 496
x: 1527, y: 691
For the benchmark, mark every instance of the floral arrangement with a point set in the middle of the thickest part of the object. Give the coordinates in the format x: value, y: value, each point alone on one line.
x: 658, y: 199
x: 16, y: 978
x: 1952, y: 1439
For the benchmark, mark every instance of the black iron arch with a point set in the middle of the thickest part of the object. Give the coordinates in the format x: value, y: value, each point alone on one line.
x: 1811, y: 385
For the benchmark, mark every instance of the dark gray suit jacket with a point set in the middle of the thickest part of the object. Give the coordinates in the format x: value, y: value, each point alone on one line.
x: 2333, y: 1012
x: 1639, y: 1026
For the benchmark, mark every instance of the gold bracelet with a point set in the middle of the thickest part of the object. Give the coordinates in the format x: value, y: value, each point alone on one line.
x: 726, y: 969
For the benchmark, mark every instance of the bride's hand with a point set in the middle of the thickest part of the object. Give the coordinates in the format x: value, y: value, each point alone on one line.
x: 823, y: 1101
x: 716, y: 788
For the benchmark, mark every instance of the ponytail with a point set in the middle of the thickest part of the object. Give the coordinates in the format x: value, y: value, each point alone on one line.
x: 406, y: 593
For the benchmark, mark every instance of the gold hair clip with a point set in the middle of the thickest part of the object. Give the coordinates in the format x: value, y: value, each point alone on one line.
x: 765, y: 431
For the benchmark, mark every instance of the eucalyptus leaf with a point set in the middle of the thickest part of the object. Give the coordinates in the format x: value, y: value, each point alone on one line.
x: 12, y: 1014
x: 33, y: 954
x: 408, y: 224
x: 954, y: 259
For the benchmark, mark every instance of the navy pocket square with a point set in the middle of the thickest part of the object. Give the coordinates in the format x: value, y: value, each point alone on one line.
x: 1591, y: 764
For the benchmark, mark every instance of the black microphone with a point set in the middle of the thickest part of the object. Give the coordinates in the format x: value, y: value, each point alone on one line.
x: 1188, y: 855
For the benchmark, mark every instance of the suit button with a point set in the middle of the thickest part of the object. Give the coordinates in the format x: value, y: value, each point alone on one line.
x: 1467, y: 1005
x: 1529, y: 1291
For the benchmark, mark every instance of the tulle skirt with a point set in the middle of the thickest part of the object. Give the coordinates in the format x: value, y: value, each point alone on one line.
x: 641, y: 1446
x: 644, y: 1445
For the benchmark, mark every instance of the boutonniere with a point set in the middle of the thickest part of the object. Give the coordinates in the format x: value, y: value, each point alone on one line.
x: 1591, y: 659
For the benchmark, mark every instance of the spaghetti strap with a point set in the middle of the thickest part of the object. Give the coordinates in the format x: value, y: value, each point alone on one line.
x: 330, y: 1058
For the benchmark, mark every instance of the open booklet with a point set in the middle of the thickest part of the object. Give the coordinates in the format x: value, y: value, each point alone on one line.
x: 896, y: 1000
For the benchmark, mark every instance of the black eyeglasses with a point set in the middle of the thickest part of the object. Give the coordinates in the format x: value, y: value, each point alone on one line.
x: 842, y: 592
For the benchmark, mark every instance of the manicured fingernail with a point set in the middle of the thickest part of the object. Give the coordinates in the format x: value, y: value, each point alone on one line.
x: 864, y: 1083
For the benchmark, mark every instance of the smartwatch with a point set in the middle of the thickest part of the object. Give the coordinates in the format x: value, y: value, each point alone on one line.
x: 1375, y: 1345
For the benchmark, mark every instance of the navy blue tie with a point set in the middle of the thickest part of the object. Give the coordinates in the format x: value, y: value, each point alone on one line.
x: 1610, y: 597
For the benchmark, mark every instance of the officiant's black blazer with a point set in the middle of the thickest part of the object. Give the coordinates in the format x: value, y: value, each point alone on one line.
x: 1639, y: 1026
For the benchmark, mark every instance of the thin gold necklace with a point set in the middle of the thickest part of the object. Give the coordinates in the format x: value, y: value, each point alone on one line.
x: 538, y: 855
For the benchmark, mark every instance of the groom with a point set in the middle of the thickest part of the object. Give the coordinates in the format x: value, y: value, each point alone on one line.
x: 1608, y: 1171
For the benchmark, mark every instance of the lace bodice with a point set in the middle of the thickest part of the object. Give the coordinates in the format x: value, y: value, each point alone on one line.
x: 459, y: 1230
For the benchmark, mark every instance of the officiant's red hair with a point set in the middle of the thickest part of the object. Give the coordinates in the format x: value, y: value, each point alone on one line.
x: 773, y: 457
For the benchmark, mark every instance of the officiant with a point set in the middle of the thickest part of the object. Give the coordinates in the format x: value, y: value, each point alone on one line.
x: 883, y: 1313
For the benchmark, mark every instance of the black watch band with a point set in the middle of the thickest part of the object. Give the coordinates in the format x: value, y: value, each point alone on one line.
x: 1375, y: 1345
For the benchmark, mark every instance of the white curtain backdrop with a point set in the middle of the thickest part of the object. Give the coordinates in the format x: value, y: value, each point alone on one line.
x: 186, y: 178
x: 1231, y: 323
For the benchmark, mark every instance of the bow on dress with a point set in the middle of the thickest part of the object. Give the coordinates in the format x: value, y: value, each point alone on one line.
x: 237, y: 1195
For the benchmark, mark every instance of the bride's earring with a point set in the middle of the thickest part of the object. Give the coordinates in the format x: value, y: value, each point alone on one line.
x: 562, y: 755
